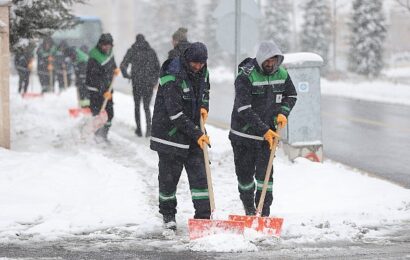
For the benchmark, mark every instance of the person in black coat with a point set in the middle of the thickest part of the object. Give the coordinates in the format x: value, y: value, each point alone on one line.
x: 144, y: 75
x: 179, y: 42
x: 62, y: 63
x: 101, y: 68
x: 79, y: 59
x: 23, y: 61
x: 182, y: 99
x: 45, y: 64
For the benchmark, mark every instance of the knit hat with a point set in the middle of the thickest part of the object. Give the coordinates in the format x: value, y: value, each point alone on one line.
x: 106, y: 39
x: 180, y: 34
x: 196, y: 52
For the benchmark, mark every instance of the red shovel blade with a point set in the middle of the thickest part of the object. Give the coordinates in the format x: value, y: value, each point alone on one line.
x: 75, y: 112
x: 32, y: 95
x: 271, y: 226
x: 100, y: 120
x: 205, y: 227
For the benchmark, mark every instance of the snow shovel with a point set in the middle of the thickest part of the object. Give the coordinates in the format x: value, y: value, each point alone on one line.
x: 271, y: 226
x: 65, y: 78
x: 204, y: 227
x: 31, y: 94
x: 77, y: 111
x: 50, y: 69
x: 99, y: 120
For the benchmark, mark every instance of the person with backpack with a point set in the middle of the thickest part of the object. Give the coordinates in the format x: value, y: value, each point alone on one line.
x: 264, y: 97
x: 101, y: 69
x: 182, y: 99
x: 144, y: 75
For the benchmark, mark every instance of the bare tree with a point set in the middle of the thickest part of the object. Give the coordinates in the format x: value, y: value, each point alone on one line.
x: 404, y: 3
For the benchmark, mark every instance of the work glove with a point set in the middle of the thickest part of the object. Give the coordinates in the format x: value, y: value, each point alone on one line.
x: 108, y: 95
x: 204, y: 114
x: 203, y: 140
x: 269, y: 136
x: 30, y: 65
x: 281, y: 120
x: 117, y: 72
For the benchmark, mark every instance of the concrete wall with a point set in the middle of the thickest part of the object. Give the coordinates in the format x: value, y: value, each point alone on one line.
x: 4, y: 77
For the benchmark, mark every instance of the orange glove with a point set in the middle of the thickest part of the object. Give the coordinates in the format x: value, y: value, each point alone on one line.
x: 203, y: 140
x: 117, y: 72
x: 108, y: 95
x: 281, y: 120
x: 204, y: 114
x: 269, y: 136
x: 30, y: 65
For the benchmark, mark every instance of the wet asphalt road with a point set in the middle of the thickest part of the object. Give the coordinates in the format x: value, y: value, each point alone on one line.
x: 371, y: 136
x: 393, y: 246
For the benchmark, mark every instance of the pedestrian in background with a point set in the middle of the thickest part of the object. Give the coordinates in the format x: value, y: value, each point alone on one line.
x: 144, y: 76
x: 179, y: 42
x: 23, y: 61
x: 45, y: 64
x: 101, y: 69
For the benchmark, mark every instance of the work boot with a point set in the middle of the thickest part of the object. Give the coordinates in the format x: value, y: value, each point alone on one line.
x: 250, y: 210
x: 249, y: 206
x: 100, y: 135
x: 138, y: 132
x: 169, y: 222
x: 265, y: 212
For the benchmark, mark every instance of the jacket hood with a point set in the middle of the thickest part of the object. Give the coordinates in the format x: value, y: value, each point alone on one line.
x: 140, y: 42
x: 268, y: 49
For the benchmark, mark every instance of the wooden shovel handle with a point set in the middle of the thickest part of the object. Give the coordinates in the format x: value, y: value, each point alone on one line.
x: 267, y: 174
x: 104, y: 105
x: 208, y: 171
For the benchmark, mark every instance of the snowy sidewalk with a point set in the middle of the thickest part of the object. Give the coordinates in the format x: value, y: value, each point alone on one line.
x: 53, y: 186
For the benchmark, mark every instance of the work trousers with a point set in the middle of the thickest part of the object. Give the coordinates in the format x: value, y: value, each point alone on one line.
x: 170, y: 168
x: 250, y: 164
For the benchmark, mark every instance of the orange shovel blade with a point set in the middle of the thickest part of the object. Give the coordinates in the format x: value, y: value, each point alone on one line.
x: 100, y: 120
x: 32, y: 95
x: 75, y: 112
x: 204, y: 227
x: 267, y: 225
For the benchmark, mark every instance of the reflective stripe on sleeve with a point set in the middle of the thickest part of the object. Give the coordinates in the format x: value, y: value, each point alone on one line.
x: 176, y: 116
x: 244, y: 107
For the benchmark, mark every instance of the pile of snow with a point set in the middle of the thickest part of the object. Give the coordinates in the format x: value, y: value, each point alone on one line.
x: 55, y: 185
x: 378, y: 90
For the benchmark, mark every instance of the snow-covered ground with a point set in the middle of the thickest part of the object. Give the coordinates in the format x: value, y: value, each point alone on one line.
x: 53, y: 185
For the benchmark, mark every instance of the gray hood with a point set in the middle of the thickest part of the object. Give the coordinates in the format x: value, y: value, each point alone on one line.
x: 268, y: 49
